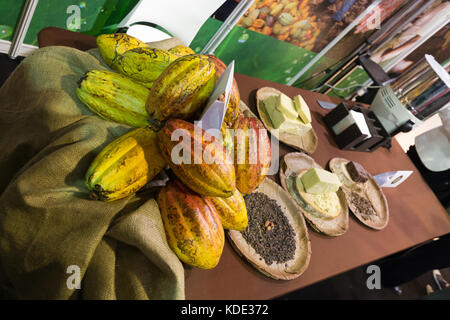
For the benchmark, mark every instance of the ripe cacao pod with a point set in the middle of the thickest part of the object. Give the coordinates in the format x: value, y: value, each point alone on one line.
x: 227, y: 139
x: 251, y: 153
x: 114, y: 97
x: 143, y: 64
x: 205, y: 165
x: 232, y: 211
x: 233, y: 110
x: 193, y: 228
x: 183, y: 88
x: 181, y: 50
x: 125, y: 165
x: 112, y: 46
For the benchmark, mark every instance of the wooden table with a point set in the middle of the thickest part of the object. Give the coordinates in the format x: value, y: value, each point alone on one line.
x: 416, y: 215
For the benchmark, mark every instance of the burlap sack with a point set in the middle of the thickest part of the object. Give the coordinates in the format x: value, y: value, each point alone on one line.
x: 47, y: 222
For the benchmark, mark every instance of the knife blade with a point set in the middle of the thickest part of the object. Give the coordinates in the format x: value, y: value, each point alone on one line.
x: 326, y: 105
x: 214, y: 112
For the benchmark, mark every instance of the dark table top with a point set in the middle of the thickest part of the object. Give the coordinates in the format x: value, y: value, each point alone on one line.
x: 416, y: 216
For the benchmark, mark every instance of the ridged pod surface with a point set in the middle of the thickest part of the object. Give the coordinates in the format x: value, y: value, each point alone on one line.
x: 114, y: 97
x: 144, y: 64
x: 251, y: 155
x: 227, y: 139
x: 233, y: 110
x: 214, y: 177
x: 183, y: 88
x: 181, y: 50
x: 125, y: 165
x: 193, y: 228
x: 112, y: 46
x: 232, y: 211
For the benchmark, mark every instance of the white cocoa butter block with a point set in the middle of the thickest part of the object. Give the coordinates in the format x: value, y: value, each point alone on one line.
x: 302, y: 109
x: 318, y: 181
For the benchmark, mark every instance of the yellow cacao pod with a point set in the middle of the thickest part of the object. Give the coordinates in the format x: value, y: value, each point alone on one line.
x: 251, y: 153
x: 232, y: 211
x: 114, y: 97
x: 193, y: 229
x: 181, y: 50
x: 125, y: 165
x: 112, y: 46
x: 143, y: 64
x: 205, y: 166
x: 227, y: 139
x: 183, y: 88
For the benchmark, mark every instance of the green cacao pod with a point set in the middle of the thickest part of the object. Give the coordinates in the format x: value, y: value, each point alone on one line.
x: 205, y: 165
x: 114, y: 97
x: 183, y: 88
x: 144, y: 64
x: 232, y: 211
x: 125, y: 165
x: 112, y: 46
x: 193, y: 228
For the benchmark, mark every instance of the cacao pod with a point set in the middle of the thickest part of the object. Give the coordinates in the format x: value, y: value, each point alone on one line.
x: 205, y: 165
x: 112, y: 46
x: 233, y: 110
x: 193, y: 228
x: 143, y: 64
x: 125, y: 165
x: 227, y: 139
x: 181, y: 50
x: 232, y: 211
x: 251, y: 153
x: 114, y: 97
x: 183, y: 88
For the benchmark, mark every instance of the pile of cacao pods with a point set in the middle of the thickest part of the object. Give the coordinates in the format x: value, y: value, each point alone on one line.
x: 158, y: 92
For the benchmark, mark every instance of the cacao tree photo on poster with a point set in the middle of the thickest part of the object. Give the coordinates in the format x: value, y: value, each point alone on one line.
x: 275, y: 39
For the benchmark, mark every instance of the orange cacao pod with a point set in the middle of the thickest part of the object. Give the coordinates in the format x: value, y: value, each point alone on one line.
x: 205, y: 166
x: 251, y: 153
x: 193, y: 228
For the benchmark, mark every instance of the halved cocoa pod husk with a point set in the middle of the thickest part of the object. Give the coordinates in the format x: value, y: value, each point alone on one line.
x: 306, y: 142
x: 286, y: 270
x: 365, y: 199
x: 293, y: 163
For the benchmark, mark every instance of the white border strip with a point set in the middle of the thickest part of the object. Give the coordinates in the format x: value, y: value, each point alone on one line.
x: 5, y: 46
x: 22, y: 28
x: 25, y: 49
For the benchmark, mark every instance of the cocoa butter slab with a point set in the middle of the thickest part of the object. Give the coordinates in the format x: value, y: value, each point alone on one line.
x: 306, y: 142
x: 291, y: 164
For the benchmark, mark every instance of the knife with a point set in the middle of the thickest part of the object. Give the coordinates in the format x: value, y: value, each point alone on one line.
x: 326, y: 105
x: 392, y: 179
x: 214, y: 112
